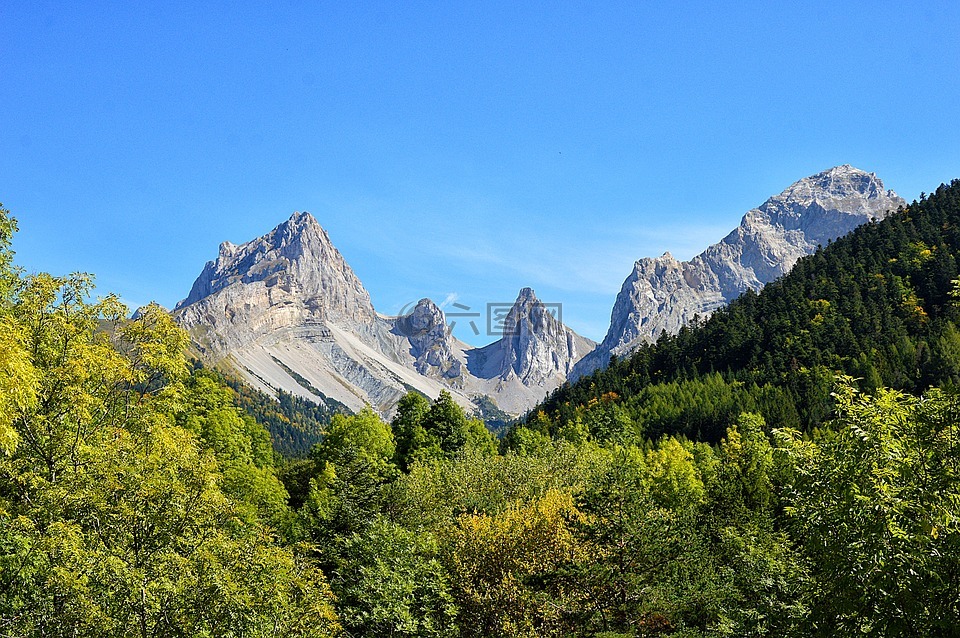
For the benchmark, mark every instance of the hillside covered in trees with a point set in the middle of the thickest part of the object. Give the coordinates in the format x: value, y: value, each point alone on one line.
x: 734, y: 480
x: 295, y: 424
x: 881, y: 305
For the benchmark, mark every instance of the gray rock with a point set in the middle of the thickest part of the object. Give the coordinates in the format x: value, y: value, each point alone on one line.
x: 663, y: 294
x: 431, y: 344
x: 289, y: 277
x: 535, y: 348
x: 285, y: 311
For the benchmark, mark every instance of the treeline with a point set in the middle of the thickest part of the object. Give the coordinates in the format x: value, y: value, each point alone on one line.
x: 295, y: 424
x: 880, y: 305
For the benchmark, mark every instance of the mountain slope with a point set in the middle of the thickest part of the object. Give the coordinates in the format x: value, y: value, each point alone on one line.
x: 286, y: 312
x: 878, y: 304
x: 663, y: 294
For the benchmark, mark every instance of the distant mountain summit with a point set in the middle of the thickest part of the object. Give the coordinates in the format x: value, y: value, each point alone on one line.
x: 435, y: 350
x: 663, y: 294
x: 292, y: 276
x: 287, y: 312
x: 296, y: 254
x: 536, y: 348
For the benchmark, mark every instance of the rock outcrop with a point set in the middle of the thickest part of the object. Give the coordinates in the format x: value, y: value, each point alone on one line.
x: 535, y: 348
x: 433, y: 347
x: 287, y: 312
x: 663, y: 294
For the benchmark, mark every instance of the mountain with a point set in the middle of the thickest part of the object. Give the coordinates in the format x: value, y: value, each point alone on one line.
x: 292, y: 276
x: 536, y: 348
x: 663, y: 293
x: 434, y: 349
x: 878, y: 305
x: 286, y: 312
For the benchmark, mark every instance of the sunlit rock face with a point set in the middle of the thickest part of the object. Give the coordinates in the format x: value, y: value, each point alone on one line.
x: 286, y: 311
x: 536, y: 348
x: 663, y: 294
x: 291, y: 276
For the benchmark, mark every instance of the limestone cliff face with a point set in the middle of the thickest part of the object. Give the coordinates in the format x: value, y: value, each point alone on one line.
x: 663, y: 294
x: 434, y: 349
x: 292, y: 276
x: 535, y: 348
x: 287, y: 312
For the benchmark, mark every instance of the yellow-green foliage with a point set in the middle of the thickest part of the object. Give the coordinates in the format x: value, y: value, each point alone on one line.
x: 114, y: 520
x: 491, y: 557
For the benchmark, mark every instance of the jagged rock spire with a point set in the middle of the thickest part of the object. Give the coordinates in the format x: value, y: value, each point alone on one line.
x: 535, y: 346
x: 431, y: 344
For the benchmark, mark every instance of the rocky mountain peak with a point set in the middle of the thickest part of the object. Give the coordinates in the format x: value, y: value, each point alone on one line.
x: 663, y: 294
x: 535, y: 347
x: 426, y: 315
x: 824, y: 206
x: 297, y: 254
x: 289, y: 276
x: 431, y: 344
x: 530, y: 315
x: 302, y: 230
x: 837, y: 182
x: 285, y: 311
x: 526, y: 295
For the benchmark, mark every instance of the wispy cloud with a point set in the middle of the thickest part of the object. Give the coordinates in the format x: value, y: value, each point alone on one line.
x: 450, y: 298
x: 575, y: 263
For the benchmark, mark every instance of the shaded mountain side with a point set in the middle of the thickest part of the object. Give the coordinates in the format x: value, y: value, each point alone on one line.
x: 880, y: 305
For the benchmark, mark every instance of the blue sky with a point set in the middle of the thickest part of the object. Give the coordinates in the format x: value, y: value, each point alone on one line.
x: 453, y: 150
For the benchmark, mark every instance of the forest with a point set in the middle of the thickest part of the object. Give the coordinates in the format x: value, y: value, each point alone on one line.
x: 880, y: 305
x: 788, y: 467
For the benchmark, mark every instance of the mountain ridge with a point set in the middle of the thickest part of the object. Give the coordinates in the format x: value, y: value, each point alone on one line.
x: 287, y: 312
x: 876, y: 307
x: 664, y: 294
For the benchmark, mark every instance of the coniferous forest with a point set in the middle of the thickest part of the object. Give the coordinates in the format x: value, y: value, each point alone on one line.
x: 788, y: 467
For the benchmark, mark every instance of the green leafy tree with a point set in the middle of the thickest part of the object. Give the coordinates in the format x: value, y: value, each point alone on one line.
x: 424, y: 431
x: 363, y: 435
x: 241, y: 445
x: 446, y: 422
x: 143, y: 543
x: 390, y: 582
x: 648, y: 568
x: 875, y: 506
x: 413, y: 441
x: 504, y: 568
x: 112, y: 518
x: 353, y: 465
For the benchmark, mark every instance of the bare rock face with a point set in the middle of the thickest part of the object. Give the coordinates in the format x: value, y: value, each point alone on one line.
x: 433, y: 348
x: 286, y: 312
x: 536, y: 348
x: 663, y: 294
x: 291, y: 276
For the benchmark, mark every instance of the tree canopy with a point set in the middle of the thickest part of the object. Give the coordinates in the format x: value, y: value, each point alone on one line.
x: 752, y: 476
